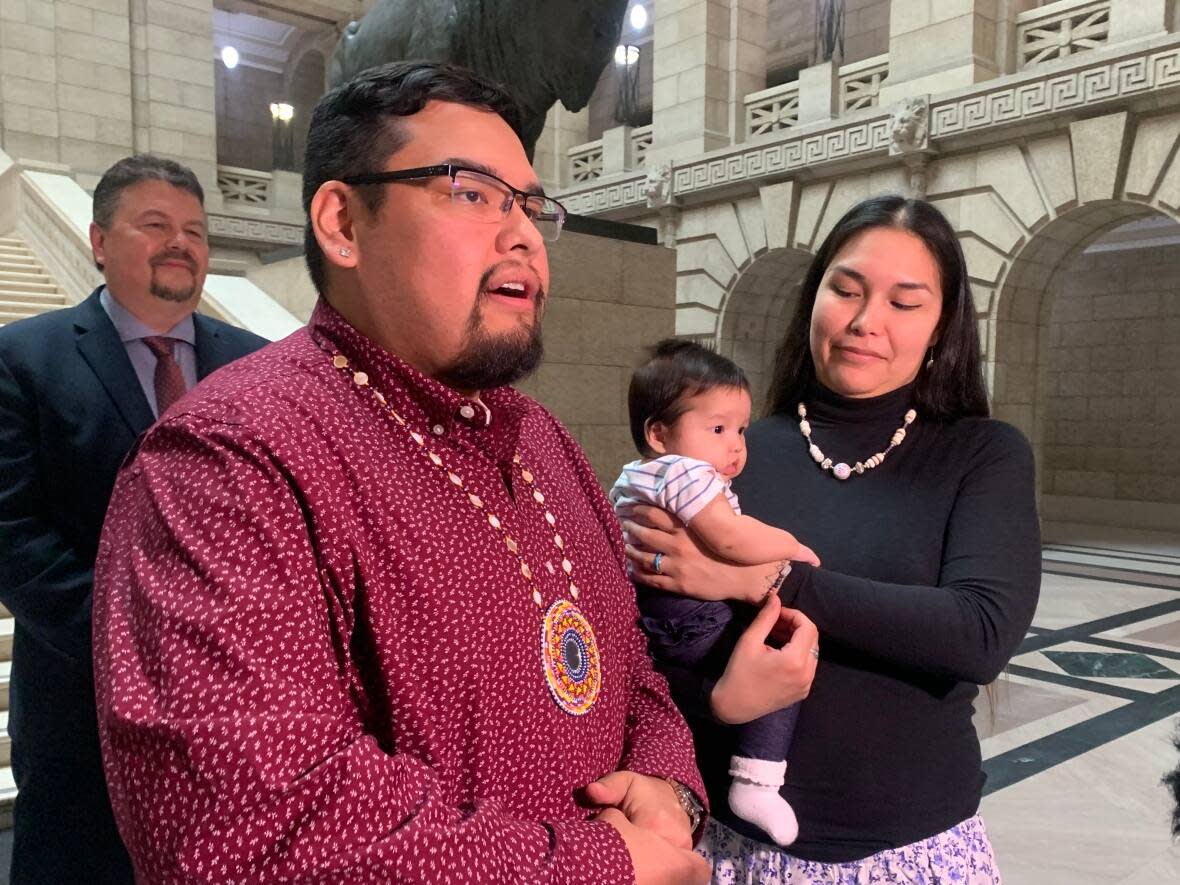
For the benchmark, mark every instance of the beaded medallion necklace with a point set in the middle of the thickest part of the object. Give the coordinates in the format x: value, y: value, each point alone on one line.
x: 570, y: 660
x: 842, y: 470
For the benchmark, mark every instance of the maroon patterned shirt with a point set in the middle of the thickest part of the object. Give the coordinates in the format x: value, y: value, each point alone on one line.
x: 316, y: 660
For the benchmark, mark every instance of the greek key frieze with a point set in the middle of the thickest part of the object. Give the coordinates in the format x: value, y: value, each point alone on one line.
x: 994, y: 103
x: 238, y: 228
x: 1116, y: 79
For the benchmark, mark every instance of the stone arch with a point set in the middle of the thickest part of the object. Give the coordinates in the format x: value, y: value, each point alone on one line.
x: 1088, y: 431
x: 756, y: 311
x: 716, y: 243
x: 739, y: 263
x: 1027, y: 291
x: 1025, y: 210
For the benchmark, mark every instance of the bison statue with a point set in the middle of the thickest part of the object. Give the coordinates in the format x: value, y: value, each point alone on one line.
x: 541, y: 50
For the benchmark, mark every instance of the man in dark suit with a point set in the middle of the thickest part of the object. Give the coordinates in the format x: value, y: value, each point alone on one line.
x: 77, y: 387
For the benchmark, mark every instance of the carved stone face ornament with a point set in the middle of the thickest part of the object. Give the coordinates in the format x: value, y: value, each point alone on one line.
x: 909, y: 132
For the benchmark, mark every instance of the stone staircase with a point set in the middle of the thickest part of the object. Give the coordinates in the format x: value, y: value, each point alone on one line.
x: 26, y: 289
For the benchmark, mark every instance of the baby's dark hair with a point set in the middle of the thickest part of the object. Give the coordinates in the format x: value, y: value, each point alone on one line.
x: 675, y: 371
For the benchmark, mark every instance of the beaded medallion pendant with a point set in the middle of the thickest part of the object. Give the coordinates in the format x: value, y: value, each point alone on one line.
x: 569, y: 654
x: 570, y: 660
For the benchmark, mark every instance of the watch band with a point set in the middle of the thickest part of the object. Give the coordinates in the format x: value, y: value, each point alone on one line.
x: 688, y: 803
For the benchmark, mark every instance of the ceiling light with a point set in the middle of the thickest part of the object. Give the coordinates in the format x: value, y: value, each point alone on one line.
x: 230, y: 57
x: 626, y: 55
x: 638, y: 17
x: 282, y: 111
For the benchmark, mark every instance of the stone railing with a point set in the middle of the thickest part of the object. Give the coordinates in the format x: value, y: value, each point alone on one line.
x: 1145, y: 72
x: 641, y: 139
x: 258, y: 208
x: 59, y: 240
x: 1060, y: 30
x: 586, y: 162
x: 244, y: 187
x: 772, y: 110
x: 860, y: 82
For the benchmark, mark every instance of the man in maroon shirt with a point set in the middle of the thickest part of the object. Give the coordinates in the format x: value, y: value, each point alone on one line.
x: 360, y: 609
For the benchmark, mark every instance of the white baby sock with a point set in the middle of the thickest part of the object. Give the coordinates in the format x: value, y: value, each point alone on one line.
x: 754, y: 796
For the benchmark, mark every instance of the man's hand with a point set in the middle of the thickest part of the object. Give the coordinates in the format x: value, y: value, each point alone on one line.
x: 647, y: 802
x: 759, y: 678
x: 655, y: 859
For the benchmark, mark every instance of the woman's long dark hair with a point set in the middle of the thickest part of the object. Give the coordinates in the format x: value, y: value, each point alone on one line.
x: 954, y: 386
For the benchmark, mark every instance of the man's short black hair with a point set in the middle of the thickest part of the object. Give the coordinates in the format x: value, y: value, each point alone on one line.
x: 676, y: 370
x: 354, y: 128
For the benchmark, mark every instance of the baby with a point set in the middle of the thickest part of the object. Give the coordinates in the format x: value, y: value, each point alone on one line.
x: 689, y: 411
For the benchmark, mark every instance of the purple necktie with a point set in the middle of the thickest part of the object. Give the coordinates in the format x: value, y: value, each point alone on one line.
x: 169, y: 379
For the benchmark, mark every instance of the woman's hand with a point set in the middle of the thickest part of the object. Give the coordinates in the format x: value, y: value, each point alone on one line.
x: 759, y: 679
x: 684, y: 567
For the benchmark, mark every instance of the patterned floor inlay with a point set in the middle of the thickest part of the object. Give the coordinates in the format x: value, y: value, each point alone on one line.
x: 1101, y: 660
x: 1104, y: 665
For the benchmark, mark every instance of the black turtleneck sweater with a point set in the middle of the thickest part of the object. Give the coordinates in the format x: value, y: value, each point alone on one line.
x: 930, y: 576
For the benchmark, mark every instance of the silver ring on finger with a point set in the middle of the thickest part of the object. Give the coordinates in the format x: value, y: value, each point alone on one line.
x: 655, y: 565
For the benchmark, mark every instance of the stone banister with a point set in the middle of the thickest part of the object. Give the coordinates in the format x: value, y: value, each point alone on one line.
x: 249, y: 187
x: 1145, y: 71
x: 772, y: 110
x: 586, y: 162
x: 1061, y: 29
x: 860, y: 82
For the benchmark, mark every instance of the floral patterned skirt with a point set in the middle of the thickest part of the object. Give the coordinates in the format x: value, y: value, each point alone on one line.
x: 960, y: 856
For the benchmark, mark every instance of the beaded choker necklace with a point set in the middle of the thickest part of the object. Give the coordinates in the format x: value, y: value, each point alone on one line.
x: 570, y: 660
x: 842, y: 470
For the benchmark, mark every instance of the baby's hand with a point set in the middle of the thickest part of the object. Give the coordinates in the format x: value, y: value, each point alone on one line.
x: 806, y: 554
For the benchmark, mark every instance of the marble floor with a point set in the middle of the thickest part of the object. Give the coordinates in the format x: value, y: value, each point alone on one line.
x: 1078, y: 732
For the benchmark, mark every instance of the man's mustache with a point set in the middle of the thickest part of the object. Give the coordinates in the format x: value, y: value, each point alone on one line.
x: 189, y: 261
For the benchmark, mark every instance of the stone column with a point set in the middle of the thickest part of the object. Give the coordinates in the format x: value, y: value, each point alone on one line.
x: 172, y: 85
x: 562, y: 131
x: 1135, y: 19
x: 28, y: 81
x: 819, y: 93
x: 617, y: 154
x: 708, y: 56
x: 935, y: 45
x: 65, y: 84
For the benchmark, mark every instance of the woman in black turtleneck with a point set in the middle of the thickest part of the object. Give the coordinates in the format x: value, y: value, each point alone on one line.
x: 930, y: 575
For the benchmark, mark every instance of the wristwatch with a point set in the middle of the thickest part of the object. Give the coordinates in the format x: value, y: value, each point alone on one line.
x: 689, y: 804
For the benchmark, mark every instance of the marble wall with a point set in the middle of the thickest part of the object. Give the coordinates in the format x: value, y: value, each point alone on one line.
x: 88, y: 82
x: 1112, y: 426
x: 244, y: 123
x: 791, y: 32
x: 611, y: 300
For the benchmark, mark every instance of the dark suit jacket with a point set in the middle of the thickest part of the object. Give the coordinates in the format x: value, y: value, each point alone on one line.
x: 71, y: 407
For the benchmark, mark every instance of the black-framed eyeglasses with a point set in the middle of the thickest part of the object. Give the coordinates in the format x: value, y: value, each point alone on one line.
x: 480, y: 196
